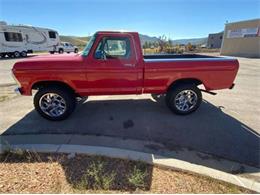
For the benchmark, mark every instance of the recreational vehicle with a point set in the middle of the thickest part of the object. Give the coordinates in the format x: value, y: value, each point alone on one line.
x: 19, y: 40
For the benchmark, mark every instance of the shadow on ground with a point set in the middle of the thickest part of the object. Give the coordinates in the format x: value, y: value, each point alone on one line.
x: 209, y: 130
x: 20, y: 58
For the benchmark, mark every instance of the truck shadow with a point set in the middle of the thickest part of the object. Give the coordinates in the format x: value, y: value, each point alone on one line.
x: 209, y: 132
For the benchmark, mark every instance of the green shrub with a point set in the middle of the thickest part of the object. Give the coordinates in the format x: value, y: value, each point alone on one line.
x: 137, y: 178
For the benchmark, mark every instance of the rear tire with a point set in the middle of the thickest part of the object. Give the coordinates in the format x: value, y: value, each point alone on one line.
x: 183, y: 99
x: 76, y: 51
x: 17, y: 54
x: 23, y: 54
x: 10, y: 55
x: 61, y: 51
x: 54, y: 103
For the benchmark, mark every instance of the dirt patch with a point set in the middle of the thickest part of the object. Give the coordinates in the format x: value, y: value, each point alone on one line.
x: 27, y: 172
x: 7, y: 92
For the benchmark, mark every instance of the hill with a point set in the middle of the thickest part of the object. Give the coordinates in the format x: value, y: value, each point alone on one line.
x: 81, y: 41
x: 196, y: 41
x: 193, y: 41
x: 146, y: 38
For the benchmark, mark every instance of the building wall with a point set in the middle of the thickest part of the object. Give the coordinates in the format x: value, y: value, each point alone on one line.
x: 241, y: 45
x: 215, y: 40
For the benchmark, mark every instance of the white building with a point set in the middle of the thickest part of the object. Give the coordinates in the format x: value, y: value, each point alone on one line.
x: 242, y: 39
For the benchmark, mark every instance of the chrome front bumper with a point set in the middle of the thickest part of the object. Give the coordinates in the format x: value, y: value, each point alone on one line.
x: 18, y: 90
x: 232, y: 86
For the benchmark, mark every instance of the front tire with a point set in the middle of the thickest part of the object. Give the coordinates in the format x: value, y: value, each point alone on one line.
x: 184, y: 99
x: 54, y: 103
x: 76, y: 50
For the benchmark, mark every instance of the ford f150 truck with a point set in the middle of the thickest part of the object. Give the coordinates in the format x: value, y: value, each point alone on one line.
x: 112, y: 63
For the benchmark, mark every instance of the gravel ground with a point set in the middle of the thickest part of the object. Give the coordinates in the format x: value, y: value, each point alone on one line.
x: 24, y: 172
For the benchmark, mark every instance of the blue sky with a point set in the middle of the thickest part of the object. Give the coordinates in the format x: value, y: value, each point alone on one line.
x: 174, y: 18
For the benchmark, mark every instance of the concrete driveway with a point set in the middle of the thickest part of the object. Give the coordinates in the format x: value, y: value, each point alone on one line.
x: 226, y: 125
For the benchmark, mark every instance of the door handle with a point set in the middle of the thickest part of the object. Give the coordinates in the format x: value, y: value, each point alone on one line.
x: 129, y: 65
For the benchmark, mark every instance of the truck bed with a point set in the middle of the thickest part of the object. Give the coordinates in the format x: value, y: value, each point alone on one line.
x: 177, y: 56
x: 214, y: 72
x: 183, y: 57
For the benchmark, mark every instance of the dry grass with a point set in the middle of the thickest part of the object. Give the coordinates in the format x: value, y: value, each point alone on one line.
x: 27, y: 172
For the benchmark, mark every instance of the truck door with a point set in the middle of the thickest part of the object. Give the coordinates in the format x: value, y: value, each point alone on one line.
x: 113, y: 68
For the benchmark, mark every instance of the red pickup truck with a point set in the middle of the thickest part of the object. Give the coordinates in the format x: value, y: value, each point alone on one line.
x: 112, y: 63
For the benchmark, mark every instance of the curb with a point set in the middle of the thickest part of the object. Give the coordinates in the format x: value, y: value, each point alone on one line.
x: 145, y: 157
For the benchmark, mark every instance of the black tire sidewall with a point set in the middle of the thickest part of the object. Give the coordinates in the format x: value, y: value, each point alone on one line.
x: 170, y: 98
x: 23, y: 54
x: 61, y: 51
x: 18, y: 54
x: 64, y: 93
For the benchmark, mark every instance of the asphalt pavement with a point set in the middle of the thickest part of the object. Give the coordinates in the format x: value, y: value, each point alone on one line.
x: 226, y: 125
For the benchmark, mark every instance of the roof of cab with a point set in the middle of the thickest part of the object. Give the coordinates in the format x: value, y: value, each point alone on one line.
x: 115, y: 31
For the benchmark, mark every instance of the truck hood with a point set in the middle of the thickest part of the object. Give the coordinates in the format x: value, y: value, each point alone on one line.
x: 50, y: 61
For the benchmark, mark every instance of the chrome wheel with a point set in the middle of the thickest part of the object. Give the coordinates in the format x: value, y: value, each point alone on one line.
x: 186, y: 100
x: 52, y: 104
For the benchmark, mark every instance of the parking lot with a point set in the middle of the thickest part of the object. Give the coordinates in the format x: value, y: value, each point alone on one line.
x: 226, y: 125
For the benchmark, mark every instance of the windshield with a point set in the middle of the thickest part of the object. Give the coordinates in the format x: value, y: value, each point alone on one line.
x: 89, y: 45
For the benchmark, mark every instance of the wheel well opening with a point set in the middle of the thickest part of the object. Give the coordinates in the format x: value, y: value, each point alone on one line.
x: 185, y: 81
x: 42, y: 84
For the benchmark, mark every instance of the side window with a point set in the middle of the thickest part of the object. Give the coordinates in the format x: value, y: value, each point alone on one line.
x: 52, y: 34
x: 13, y: 37
x: 115, y: 48
x: 66, y: 44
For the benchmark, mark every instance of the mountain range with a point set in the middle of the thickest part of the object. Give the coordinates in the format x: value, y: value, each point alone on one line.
x: 81, y: 41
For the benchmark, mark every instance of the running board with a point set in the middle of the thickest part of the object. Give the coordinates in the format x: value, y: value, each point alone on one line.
x: 209, y: 92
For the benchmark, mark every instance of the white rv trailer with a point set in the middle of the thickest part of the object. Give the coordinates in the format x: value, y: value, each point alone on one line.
x: 18, y: 40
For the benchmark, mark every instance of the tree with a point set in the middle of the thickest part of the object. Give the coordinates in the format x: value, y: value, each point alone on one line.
x: 162, y: 43
x: 146, y: 45
x: 189, y: 47
x: 169, y: 43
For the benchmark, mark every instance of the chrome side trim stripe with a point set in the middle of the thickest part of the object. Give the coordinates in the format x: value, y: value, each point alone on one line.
x: 188, y: 59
